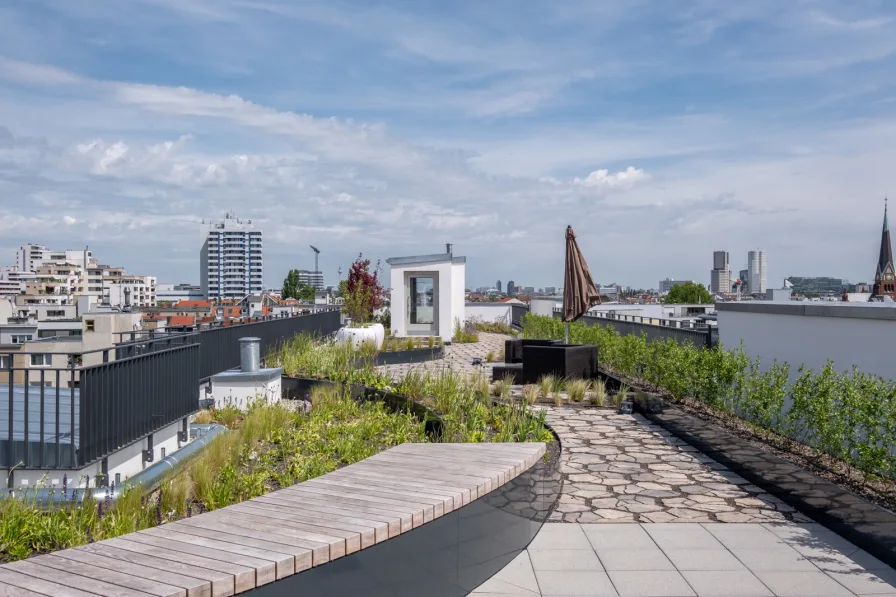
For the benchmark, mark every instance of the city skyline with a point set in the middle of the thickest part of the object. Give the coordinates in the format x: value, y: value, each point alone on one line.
x: 392, y: 128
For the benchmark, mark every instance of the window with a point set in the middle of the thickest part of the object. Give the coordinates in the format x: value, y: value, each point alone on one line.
x: 21, y: 338
x: 37, y: 384
x: 55, y: 313
x: 40, y: 360
x: 90, y: 325
x: 4, y: 362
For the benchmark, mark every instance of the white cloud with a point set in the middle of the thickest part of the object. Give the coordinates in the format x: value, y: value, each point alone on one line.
x: 69, y: 220
x: 36, y: 74
x: 603, y: 179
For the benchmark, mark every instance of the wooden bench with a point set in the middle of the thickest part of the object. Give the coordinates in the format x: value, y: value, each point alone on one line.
x: 263, y: 540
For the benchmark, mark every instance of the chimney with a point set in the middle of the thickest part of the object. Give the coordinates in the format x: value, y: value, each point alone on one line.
x: 449, y: 248
x: 250, y: 354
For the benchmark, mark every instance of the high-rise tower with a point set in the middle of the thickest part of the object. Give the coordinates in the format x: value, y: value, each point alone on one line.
x: 757, y: 272
x: 231, y: 259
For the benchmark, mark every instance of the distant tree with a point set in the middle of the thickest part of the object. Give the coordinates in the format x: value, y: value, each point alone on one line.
x: 688, y: 293
x: 293, y: 287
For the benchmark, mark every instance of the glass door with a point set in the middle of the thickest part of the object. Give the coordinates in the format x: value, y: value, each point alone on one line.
x: 422, y: 303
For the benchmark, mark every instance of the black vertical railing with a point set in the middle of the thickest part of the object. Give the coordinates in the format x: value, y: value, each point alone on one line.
x: 66, y: 415
x: 518, y: 314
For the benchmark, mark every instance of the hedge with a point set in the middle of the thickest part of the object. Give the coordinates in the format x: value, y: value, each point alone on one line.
x: 849, y: 415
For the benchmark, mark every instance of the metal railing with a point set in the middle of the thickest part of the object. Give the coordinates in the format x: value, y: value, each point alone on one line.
x: 68, y: 415
x: 67, y: 410
x: 517, y: 314
x: 219, y: 347
x: 683, y: 332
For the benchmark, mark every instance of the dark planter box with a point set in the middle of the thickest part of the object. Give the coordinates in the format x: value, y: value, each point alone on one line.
x: 514, y: 371
x: 568, y: 361
x: 513, y: 349
x: 299, y: 388
x: 417, y: 355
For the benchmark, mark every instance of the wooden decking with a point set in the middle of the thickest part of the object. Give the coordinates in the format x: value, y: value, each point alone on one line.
x: 259, y: 541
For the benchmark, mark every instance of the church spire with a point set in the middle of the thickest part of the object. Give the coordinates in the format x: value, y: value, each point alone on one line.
x: 886, y: 249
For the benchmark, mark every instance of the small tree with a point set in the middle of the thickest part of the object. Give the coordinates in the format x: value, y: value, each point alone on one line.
x: 293, y: 287
x: 688, y: 293
x: 363, y: 291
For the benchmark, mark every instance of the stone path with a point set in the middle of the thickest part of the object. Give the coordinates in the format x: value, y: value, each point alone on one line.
x: 686, y: 560
x: 458, y: 357
x: 622, y: 468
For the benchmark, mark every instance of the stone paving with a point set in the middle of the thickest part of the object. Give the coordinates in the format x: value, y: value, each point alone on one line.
x: 458, y: 357
x: 686, y: 560
x: 622, y: 468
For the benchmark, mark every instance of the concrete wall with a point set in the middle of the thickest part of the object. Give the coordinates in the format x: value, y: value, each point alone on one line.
x: 126, y: 462
x: 810, y: 334
x: 488, y: 312
x: 544, y: 306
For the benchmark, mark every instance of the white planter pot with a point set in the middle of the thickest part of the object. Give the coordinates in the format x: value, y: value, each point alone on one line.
x: 370, y: 333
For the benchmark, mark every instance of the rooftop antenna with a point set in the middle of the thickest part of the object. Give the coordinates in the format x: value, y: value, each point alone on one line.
x: 316, y: 254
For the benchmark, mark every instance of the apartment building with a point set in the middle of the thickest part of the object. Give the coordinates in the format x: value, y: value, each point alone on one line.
x: 231, y: 259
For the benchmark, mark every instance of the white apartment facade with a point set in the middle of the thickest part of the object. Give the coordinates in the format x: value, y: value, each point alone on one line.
x: 757, y: 272
x: 231, y: 259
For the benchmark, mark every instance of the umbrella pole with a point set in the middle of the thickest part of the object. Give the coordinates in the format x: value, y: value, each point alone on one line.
x: 566, y: 338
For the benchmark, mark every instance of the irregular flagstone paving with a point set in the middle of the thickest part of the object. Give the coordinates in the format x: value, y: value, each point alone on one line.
x: 458, y: 357
x: 623, y: 468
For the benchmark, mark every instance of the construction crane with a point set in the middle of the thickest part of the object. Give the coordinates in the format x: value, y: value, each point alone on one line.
x: 316, y: 255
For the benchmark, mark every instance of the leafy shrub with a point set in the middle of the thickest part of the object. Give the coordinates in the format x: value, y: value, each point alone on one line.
x: 849, y: 415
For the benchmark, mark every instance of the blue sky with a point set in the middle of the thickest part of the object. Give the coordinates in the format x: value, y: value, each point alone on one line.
x: 661, y: 130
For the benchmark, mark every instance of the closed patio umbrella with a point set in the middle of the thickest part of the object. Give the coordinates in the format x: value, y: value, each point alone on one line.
x: 579, y: 292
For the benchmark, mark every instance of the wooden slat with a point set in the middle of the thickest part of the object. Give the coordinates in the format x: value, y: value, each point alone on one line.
x: 320, y: 552
x: 194, y: 587
x: 265, y: 571
x: 94, y: 573
x: 222, y: 585
x: 326, y: 509
x: 345, y: 522
x: 61, y: 577
x: 16, y: 580
x: 352, y: 539
x: 336, y: 545
x: 259, y: 541
x: 11, y: 591
x: 242, y: 577
x: 284, y: 563
x: 411, y: 515
x: 301, y: 557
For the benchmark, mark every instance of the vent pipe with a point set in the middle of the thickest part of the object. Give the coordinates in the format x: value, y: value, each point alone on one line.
x: 250, y: 354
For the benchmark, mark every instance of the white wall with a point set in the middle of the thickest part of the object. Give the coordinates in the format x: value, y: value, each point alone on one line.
x: 451, y: 280
x: 544, y: 306
x: 241, y: 393
x: 127, y: 462
x: 812, y: 340
x: 458, y: 298
x: 488, y: 312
